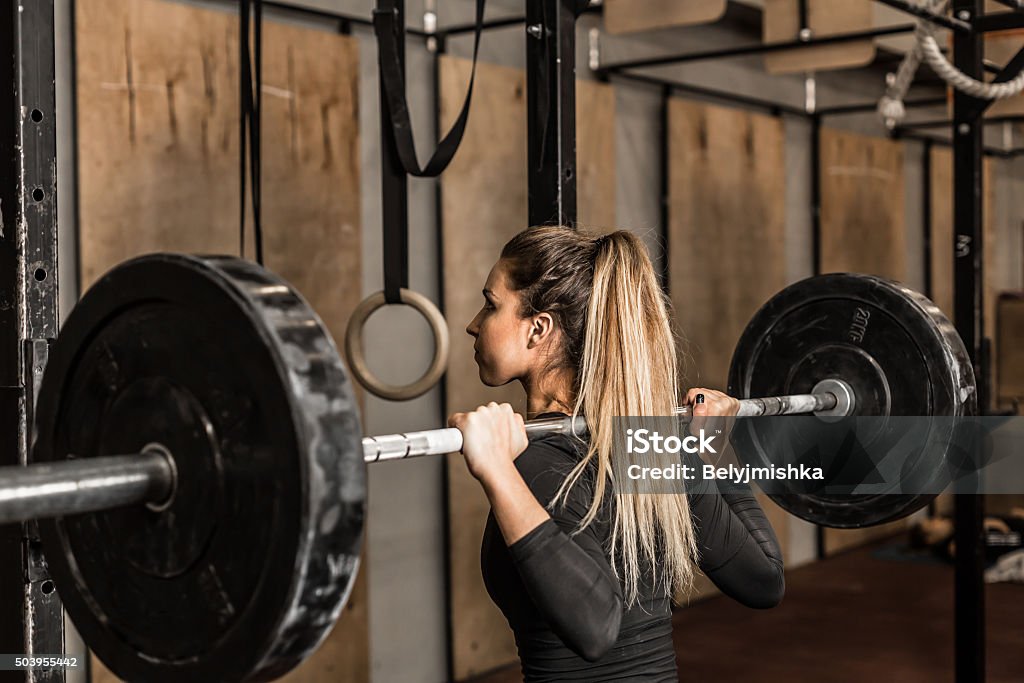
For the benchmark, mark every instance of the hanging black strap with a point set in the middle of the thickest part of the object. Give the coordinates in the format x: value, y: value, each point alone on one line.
x: 251, y: 99
x: 393, y: 79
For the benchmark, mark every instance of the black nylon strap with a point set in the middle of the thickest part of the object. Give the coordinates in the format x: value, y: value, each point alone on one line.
x: 250, y: 99
x: 393, y: 79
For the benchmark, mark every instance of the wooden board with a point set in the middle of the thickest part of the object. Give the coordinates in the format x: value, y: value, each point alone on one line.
x: 942, y: 241
x: 1009, y: 363
x: 484, y: 204
x: 157, y: 86
x: 863, y: 230
x: 863, y: 226
x: 630, y: 16
x: 726, y: 239
x: 825, y: 17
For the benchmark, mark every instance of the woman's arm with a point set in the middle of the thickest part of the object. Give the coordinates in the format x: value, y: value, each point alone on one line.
x: 515, y: 508
x: 568, y: 579
x: 738, y: 548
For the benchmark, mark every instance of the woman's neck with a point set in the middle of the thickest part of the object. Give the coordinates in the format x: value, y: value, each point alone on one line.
x: 552, y: 393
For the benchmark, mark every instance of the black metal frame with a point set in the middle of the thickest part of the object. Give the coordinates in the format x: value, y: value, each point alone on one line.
x: 505, y: 22
x: 926, y: 226
x: 31, y: 618
x: 664, y: 187
x: 346, y: 21
x: 953, y: 23
x: 968, y: 247
x: 754, y: 49
x: 551, y: 111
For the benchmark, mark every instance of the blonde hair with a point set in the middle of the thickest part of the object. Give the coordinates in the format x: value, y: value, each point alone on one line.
x: 618, y: 339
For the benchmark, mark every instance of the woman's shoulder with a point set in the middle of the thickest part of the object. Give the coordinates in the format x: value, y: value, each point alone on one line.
x: 548, y: 460
x: 553, y: 451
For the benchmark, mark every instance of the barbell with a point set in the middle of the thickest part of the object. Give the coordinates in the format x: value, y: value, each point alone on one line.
x: 199, y: 473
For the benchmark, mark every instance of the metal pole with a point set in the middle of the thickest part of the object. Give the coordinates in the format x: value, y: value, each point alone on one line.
x: 969, y: 310
x: 75, y: 486
x: 926, y: 216
x: 816, y: 194
x: 551, y: 111
x: 31, y: 616
x: 665, y: 187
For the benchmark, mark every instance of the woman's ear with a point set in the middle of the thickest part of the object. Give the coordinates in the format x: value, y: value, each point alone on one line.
x: 542, y: 327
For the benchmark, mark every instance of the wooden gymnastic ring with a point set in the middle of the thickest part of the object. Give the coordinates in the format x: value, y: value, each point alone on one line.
x: 357, y: 358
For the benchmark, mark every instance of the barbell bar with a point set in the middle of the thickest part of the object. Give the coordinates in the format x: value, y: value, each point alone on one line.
x: 830, y: 397
x: 243, y: 439
x: 78, y: 486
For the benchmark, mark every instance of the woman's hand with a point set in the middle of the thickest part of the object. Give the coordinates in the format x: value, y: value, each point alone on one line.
x: 493, y: 436
x: 715, y: 404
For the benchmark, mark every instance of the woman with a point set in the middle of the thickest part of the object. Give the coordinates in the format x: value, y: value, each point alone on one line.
x: 585, y: 577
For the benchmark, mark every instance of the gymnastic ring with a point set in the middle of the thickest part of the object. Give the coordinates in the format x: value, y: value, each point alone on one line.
x: 357, y: 358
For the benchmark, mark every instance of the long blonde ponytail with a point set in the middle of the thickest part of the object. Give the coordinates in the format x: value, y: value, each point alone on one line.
x: 620, y: 342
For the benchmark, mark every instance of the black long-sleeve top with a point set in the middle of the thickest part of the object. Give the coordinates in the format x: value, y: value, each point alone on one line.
x: 564, y: 603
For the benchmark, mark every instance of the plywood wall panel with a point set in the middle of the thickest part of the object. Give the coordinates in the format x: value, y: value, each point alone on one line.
x: 726, y: 237
x: 1010, y: 346
x: 863, y: 223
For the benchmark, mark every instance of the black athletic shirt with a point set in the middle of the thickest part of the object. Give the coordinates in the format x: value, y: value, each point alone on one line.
x: 565, y: 605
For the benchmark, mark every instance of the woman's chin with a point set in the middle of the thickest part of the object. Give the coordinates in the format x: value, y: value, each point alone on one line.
x: 489, y: 379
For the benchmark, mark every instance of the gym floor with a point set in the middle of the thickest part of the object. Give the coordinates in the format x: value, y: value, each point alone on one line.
x: 852, y: 615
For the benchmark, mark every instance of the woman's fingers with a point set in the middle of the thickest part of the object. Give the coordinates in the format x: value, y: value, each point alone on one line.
x: 491, y: 428
x: 715, y: 403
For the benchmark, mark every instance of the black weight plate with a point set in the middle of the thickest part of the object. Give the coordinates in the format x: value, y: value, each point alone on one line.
x: 897, y: 351
x: 223, y: 364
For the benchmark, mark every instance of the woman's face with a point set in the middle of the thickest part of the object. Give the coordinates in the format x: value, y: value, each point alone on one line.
x: 502, y: 339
